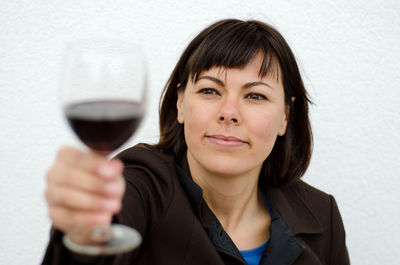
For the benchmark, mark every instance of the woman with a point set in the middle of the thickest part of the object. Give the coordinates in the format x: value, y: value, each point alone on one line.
x: 223, y: 185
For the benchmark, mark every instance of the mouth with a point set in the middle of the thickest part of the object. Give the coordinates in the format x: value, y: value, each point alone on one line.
x: 226, y: 141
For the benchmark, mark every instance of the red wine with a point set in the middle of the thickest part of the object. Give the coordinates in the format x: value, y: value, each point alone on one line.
x: 104, y: 125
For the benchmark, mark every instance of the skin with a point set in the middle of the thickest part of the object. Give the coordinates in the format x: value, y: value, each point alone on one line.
x: 231, y: 119
x: 83, y: 192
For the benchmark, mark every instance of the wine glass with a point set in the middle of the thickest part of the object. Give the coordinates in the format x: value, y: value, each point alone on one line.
x: 103, y: 94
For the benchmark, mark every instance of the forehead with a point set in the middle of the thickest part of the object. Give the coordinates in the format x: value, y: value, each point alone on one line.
x: 252, y: 70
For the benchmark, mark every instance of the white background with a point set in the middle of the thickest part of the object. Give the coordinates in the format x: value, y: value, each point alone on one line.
x: 349, y: 55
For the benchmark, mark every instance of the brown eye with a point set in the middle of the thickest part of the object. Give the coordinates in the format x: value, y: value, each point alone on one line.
x: 256, y: 96
x: 209, y: 91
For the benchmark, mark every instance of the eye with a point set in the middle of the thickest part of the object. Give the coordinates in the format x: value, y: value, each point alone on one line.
x: 255, y: 96
x: 209, y: 91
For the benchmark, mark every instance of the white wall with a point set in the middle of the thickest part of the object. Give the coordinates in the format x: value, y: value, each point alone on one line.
x: 348, y: 52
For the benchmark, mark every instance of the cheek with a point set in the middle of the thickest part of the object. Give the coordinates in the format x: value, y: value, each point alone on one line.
x: 196, y: 120
x: 265, y: 128
x: 264, y: 135
x: 197, y: 116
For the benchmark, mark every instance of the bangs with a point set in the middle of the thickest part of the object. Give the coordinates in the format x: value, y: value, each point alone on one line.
x: 233, y: 46
x: 232, y: 43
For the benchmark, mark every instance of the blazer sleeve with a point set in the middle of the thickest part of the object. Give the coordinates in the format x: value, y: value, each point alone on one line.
x: 339, y: 254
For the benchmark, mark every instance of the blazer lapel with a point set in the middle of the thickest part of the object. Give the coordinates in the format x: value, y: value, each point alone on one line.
x: 290, y: 216
x: 294, y: 209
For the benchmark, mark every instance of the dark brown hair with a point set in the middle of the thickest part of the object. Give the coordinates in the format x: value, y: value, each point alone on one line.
x: 234, y: 43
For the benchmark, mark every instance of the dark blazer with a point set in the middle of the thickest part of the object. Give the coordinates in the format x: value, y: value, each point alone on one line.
x: 166, y: 207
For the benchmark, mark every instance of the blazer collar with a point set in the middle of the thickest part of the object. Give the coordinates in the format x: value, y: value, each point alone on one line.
x: 290, y: 202
x: 292, y: 205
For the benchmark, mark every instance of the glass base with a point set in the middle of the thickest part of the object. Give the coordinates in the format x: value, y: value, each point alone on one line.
x: 122, y: 239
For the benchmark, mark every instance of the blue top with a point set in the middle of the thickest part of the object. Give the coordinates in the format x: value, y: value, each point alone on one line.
x: 253, y: 256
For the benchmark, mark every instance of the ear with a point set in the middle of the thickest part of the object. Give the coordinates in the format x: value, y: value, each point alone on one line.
x: 179, y: 106
x: 282, y: 129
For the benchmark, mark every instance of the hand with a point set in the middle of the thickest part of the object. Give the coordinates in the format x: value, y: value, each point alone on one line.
x: 83, y: 191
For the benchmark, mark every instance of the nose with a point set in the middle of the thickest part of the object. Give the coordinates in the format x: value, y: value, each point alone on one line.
x: 229, y: 112
x: 228, y: 119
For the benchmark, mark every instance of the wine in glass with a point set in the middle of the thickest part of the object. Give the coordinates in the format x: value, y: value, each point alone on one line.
x: 103, y: 91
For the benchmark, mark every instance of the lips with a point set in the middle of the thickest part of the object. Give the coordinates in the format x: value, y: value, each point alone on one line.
x: 227, y: 141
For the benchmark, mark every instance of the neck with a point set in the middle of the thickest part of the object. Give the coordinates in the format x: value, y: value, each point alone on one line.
x: 231, y: 198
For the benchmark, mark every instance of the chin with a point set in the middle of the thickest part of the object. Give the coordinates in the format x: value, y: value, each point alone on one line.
x: 227, y: 167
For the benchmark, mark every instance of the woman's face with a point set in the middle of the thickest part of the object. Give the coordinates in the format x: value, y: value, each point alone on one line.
x: 232, y: 118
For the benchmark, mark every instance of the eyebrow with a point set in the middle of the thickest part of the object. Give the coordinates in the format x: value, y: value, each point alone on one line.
x: 247, y: 85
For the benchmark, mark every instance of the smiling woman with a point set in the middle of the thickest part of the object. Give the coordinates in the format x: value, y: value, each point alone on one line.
x: 230, y: 45
x: 232, y: 118
x: 223, y: 185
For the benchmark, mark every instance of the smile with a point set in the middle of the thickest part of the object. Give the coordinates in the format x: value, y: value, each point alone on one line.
x: 226, y: 141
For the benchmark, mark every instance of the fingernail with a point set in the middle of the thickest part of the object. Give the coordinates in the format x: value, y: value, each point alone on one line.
x: 116, y: 163
x: 103, y: 218
x: 106, y: 171
x: 113, y: 188
x: 111, y: 205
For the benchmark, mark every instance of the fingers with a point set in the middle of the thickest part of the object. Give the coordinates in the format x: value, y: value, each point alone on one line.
x: 72, y: 221
x: 89, y: 172
x: 64, y: 175
x: 75, y: 199
x: 90, y: 162
x: 83, y: 191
